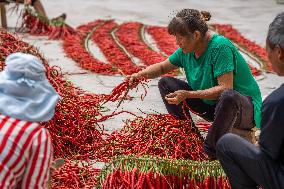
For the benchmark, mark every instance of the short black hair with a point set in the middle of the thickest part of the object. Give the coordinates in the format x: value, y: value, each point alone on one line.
x: 275, y: 34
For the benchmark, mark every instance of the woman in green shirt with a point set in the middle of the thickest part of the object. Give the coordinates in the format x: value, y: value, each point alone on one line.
x: 219, y: 87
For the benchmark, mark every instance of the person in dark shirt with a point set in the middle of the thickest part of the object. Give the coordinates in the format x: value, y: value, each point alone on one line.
x: 246, y: 165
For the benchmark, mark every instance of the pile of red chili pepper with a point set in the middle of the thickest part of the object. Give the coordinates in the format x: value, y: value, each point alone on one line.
x: 75, y: 175
x: 11, y: 44
x: 120, y: 92
x: 76, y: 134
x: 40, y: 25
x: 73, y: 127
x: 156, y: 135
x: 157, y: 173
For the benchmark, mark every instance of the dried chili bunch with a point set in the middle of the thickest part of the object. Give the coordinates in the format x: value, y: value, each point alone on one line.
x: 40, y: 25
x: 158, y: 135
x: 121, y: 91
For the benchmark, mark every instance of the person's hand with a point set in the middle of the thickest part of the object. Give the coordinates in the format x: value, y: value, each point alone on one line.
x: 28, y: 2
x: 177, y: 97
x: 132, y: 80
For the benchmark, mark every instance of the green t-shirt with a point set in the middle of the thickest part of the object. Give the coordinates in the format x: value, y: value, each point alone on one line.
x: 220, y: 57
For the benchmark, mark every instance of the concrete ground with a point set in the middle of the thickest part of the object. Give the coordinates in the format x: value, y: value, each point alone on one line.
x: 250, y: 17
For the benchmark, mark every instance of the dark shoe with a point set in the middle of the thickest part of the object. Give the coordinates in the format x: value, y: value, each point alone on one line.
x: 59, y: 19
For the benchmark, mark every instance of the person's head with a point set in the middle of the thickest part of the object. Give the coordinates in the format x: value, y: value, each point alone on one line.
x: 25, y: 92
x: 189, y: 27
x: 275, y: 44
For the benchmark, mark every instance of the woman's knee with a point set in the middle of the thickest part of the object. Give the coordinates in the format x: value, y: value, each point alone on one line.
x: 229, y: 96
x: 164, y: 81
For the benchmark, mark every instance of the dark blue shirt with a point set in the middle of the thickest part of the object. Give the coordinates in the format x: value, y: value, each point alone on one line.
x: 271, y: 139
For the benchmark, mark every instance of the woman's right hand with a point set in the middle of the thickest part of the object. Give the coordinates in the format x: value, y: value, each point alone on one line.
x: 151, y: 72
x: 133, y: 80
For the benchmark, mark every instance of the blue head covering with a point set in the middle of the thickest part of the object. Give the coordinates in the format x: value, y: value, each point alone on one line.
x: 25, y: 92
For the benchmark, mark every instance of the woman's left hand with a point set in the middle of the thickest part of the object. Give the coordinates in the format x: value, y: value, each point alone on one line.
x: 177, y: 97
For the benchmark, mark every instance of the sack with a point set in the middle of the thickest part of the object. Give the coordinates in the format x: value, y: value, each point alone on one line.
x: 249, y: 135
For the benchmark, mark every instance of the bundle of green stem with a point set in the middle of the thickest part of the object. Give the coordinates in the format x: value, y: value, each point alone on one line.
x: 154, y: 172
x: 38, y: 24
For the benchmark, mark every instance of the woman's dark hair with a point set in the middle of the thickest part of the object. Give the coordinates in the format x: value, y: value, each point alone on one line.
x: 187, y: 21
x: 275, y: 34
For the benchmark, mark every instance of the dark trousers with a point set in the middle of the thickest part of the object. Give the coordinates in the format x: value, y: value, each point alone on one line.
x: 247, y: 166
x: 231, y: 110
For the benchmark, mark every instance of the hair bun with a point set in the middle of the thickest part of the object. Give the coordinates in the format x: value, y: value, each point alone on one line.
x: 205, y: 15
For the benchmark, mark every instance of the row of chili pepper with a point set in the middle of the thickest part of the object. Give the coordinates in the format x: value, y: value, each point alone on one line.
x: 105, y: 40
x: 165, y: 42
x: 40, y: 25
x: 76, y: 48
x: 152, y: 172
x: 133, y: 37
x: 122, y: 45
x: 130, y: 36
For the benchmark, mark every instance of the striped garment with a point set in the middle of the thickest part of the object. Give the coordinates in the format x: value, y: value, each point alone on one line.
x: 25, y: 154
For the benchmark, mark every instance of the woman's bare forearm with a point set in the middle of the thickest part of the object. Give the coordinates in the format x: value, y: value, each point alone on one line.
x: 157, y: 70
x: 209, y: 94
x: 225, y: 81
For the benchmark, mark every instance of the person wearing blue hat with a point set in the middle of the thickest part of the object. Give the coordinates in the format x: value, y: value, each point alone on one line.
x: 249, y: 166
x: 26, y: 99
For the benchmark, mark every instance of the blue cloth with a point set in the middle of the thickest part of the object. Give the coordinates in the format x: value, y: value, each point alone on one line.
x: 25, y: 92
